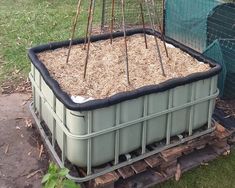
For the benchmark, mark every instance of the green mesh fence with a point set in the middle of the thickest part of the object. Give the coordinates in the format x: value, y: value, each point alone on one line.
x: 186, y: 21
x: 221, y: 23
x: 207, y: 26
x: 221, y: 26
x: 223, y: 51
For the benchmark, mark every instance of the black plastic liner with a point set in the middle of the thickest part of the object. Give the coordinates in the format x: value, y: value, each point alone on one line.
x: 123, y: 96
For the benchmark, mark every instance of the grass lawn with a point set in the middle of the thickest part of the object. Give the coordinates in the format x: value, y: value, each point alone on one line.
x: 218, y: 174
x: 25, y: 23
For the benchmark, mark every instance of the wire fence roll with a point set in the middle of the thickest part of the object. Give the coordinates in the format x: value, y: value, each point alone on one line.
x: 133, y: 14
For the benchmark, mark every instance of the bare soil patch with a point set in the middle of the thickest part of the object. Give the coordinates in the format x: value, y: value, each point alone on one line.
x: 21, y: 164
x: 228, y: 106
x: 106, y: 73
x: 15, y: 85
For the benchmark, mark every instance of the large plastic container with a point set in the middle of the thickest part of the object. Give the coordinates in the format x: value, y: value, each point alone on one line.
x: 99, y: 131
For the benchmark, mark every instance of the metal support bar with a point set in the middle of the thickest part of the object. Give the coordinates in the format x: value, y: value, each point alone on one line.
x: 191, y: 111
x: 33, y: 89
x: 169, y: 118
x: 54, y: 122
x: 117, y: 135
x: 89, y: 131
x: 112, y: 168
x: 144, y: 126
x: 40, y: 99
x: 64, y: 116
x: 64, y: 138
x: 210, y: 102
x: 63, y: 149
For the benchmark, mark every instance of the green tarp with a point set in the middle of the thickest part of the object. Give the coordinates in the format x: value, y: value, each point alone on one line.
x: 208, y: 26
x: 186, y: 21
x: 223, y: 52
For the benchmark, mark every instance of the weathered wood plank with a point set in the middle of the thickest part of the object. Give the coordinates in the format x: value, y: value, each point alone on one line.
x: 106, y: 179
x: 126, y: 172
x: 169, y: 164
x: 139, y: 166
x: 171, y: 154
x: 153, y: 161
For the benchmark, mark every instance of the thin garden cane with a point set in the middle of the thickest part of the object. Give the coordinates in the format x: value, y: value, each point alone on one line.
x: 155, y: 38
x: 163, y: 16
x: 125, y: 41
x: 87, y: 28
x: 73, y: 29
x: 91, y: 12
x: 143, y: 22
x: 160, y: 28
x: 102, y: 16
x: 112, y: 22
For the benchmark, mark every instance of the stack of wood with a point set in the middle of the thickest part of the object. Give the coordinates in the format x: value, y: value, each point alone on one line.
x: 169, y: 163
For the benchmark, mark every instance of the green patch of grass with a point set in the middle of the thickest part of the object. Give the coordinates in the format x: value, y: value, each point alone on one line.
x: 26, y: 23
x: 218, y: 174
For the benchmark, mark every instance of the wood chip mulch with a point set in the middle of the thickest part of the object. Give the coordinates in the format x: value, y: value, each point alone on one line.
x: 106, y: 73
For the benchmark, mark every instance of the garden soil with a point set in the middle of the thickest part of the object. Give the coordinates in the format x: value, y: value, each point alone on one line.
x: 23, y: 159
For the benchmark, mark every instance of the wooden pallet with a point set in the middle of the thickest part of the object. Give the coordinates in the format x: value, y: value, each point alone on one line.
x: 168, y: 163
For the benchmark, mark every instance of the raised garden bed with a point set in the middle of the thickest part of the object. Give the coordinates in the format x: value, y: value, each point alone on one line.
x: 100, y: 130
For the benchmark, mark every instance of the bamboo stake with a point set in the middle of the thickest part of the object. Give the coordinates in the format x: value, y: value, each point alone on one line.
x: 91, y: 12
x: 112, y: 22
x: 73, y: 29
x: 160, y: 29
x: 155, y: 38
x: 125, y: 42
x: 103, y: 15
x: 87, y: 27
x: 163, y: 16
x: 143, y: 22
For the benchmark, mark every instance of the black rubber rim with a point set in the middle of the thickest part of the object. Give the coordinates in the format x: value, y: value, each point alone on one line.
x: 123, y: 96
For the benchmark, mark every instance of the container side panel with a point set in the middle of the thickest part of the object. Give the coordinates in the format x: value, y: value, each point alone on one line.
x: 156, y: 127
x: 46, y: 115
x: 201, y: 110
x: 59, y: 109
x: 47, y: 92
x: 103, y: 146
x: 77, y: 152
x: 77, y: 149
x: 59, y: 136
x: 37, y: 97
x: 130, y: 137
x: 180, y: 117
